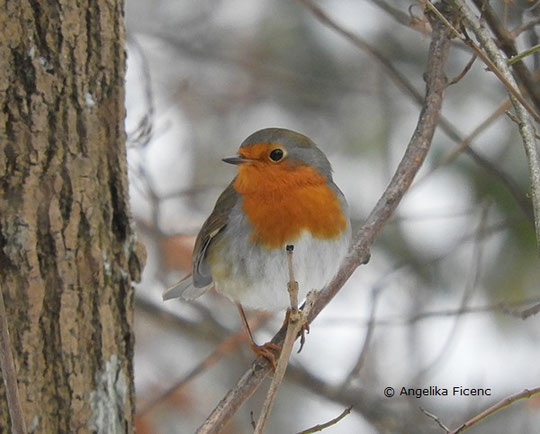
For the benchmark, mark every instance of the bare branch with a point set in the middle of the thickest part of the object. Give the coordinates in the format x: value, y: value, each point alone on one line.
x: 295, y: 321
x: 322, y: 426
x: 533, y: 310
x: 370, y: 406
x: 527, y: 393
x: 463, y: 73
x: 523, y: 54
x: 435, y: 418
x: 461, y: 146
x: 526, y: 26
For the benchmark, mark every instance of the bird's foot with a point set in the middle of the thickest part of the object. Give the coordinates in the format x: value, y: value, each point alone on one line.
x: 269, y: 351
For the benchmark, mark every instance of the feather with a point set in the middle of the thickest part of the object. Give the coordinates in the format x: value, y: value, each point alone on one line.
x: 184, y: 289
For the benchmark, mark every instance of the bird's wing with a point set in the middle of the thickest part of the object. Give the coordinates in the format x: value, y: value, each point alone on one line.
x: 214, y: 224
x: 200, y: 279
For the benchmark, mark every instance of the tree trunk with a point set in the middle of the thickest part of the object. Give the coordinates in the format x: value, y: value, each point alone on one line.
x: 68, y: 254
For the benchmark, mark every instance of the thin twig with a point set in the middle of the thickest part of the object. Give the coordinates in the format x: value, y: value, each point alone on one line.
x: 322, y: 426
x: 527, y: 393
x: 462, y: 74
x: 526, y: 313
x: 411, y: 162
x: 526, y: 26
x: 435, y: 418
x: 9, y: 374
x: 292, y: 287
x: 523, y: 54
x: 371, y: 405
x: 454, y: 152
x: 296, y: 320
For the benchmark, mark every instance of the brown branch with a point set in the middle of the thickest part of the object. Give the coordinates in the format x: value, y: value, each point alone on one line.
x: 463, y: 73
x: 435, y: 418
x: 465, y: 143
x: 295, y: 321
x: 527, y: 393
x: 9, y: 373
x: 526, y: 313
x: 410, y: 164
x: 526, y: 26
x: 322, y: 426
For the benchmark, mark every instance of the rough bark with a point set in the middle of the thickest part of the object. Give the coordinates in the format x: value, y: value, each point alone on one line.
x: 68, y: 254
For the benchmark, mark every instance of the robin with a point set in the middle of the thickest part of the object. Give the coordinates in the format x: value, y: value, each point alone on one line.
x: 282, y: 195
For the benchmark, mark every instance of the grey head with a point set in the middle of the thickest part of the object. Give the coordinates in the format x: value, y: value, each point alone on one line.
x: 301, y: 150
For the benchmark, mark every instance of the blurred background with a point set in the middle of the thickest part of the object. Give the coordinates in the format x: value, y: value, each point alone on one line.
x: 448, y: 296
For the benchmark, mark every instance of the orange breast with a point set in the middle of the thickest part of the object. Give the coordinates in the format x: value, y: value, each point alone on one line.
x: 281, y: 202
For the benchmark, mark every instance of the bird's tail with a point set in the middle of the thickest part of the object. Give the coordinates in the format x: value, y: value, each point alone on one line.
x: 184, y: 289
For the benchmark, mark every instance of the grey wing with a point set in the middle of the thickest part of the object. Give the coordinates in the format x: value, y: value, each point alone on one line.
x: 213, y: 225
x: 200, y: 279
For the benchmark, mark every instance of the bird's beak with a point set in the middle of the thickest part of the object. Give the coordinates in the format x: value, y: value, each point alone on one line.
x: 235, y: 160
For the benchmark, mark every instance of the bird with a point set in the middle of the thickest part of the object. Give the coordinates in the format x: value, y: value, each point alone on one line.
x: 283, y: 195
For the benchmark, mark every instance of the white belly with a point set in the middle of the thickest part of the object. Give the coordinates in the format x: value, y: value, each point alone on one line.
x: 257, y: 277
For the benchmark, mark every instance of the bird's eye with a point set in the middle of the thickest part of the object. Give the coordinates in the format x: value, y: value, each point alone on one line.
x: 276, y: 155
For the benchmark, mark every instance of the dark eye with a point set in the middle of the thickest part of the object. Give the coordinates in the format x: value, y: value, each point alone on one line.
x: 276, y: 154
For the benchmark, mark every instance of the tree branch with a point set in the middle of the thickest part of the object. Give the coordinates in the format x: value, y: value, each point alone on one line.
x: 328, y: 424
x: 295, y: 322
x: 527, y: 393
x: 525, y: 126
x: 435, y: 418
x: 410, y: 164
